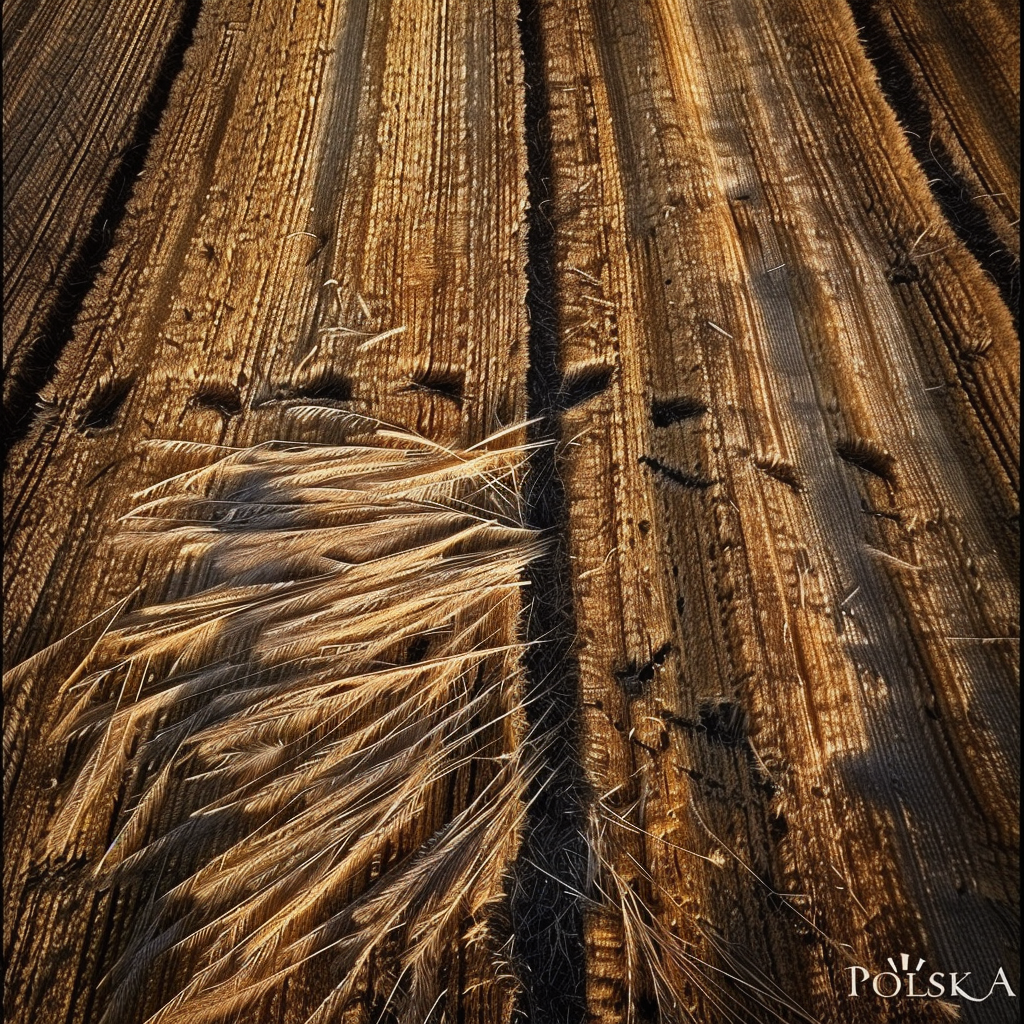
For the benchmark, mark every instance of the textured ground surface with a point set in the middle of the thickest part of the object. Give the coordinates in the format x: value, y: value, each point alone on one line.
x: 749, y: 269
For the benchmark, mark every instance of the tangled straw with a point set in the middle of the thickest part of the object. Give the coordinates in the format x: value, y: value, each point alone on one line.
x: 323, y: 745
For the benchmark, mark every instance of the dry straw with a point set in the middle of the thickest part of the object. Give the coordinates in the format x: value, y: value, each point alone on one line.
x: 660, y: 966
x: 322, y: 741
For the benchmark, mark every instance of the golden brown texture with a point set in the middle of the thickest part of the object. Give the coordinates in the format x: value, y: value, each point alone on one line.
x: 76, y: 86
x: 961, y: 96
x: 320, y: 742
x: 332, y: 212
x: 794, y: 571
x: 783, y: 576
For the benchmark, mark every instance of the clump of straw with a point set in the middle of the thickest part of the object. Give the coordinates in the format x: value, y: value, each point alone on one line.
x: 323, y: 746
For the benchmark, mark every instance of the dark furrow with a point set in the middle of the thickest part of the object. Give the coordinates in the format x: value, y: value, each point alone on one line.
x: 546, y: 917
x: 40, y: 364
x: 964, y: 214
x: 677, y: 476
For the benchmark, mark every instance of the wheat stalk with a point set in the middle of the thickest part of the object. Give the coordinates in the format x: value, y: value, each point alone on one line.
x: 659, y: 963
x: 324, y: 746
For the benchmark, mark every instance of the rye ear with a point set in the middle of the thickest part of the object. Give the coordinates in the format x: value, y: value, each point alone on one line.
x: 323, y: 748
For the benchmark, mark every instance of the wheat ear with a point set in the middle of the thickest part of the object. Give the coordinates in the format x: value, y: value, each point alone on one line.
x: 323, y: 746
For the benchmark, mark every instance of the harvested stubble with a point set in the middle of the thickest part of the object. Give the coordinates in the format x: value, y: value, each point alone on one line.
x: 321, y: 753
x: 738, y: 258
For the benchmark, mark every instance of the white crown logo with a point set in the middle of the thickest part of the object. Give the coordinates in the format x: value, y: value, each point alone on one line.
x: 905, y: 961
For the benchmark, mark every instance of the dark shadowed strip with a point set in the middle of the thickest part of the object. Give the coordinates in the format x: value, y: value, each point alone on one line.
x: 37, y: 370
x: 951, y: 192
x: 547, y: 916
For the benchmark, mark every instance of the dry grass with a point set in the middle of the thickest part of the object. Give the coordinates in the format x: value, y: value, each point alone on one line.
x: 290, y: 733
x: 661, y: 967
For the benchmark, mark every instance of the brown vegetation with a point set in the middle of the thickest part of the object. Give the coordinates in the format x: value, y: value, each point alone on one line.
x: 510, y: 510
